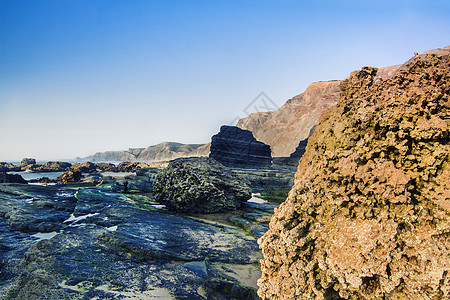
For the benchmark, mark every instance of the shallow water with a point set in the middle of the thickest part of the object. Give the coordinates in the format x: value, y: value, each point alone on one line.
x: 31, y: 175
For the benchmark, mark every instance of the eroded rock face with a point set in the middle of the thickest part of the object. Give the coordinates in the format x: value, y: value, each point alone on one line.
x: 284, y: 128
x: 235, y: 147
x: 199, y: 185
x: 369, y: 214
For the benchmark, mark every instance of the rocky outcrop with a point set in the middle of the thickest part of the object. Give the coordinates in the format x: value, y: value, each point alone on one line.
x: 86, y: 167
x: 235, y: 147
x: 369, y: 214
x: 26, y: 162
x: 51, y: 166
x: 70, y: 176
x: 283, y: 129
x: 199, y: 185
x: 103, y: 245
x: 162, y: 151
x: 11, y: 178
x: 8, y: 167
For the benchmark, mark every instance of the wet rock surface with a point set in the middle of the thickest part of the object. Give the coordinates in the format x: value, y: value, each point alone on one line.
x: 369, y: 214
x: 58, y: 242
x: 11, y: 178
x: 200, y: 185
x: 236, y: 147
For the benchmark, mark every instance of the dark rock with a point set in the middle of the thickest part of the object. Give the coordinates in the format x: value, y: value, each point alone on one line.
x: 70, y: 176
x: 43, y: 180
x: 7, y: 167
x: 51, y: 166
x: 235, y: 147
x: 11, y: 178
x: 142, y: 181
x: 300, y: 150
x: 199, y: 185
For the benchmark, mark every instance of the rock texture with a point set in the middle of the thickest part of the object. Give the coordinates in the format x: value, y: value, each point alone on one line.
x: 162, y: 151
x: 283, y: 129
x: 199, y: 185
x: 369, y: 214
x: 27, y: 161
x: 11, y: 178
x: 235, y: 147
x: 51, y: 166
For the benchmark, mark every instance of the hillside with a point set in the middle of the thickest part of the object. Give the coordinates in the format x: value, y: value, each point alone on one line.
x: 284, y: 128
x: 162, y: 151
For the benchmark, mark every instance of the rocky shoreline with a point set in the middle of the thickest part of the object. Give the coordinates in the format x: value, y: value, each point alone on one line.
x: 112, y: 239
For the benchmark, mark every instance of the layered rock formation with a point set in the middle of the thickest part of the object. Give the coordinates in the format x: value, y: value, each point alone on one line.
x: 283, y: 129
x: 162, y: 151
x: 199, y: 185
x: 235, y: 147
x: 369, y: 214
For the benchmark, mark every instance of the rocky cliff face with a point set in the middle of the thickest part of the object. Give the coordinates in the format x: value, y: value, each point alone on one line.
x: 283, y: 129
x: 369, y: 214
x: 162, y: 151
x: 235, y: 147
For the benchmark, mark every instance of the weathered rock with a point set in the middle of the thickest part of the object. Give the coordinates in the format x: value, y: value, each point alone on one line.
x: 263, y: 179
x: 106, y: 167
x: 26, y: 162
x: 11, y: 178
x: 101, y: 246
x: 235, y: 147
x: 70, y: 176
x: 369, y: 215
x: 199, y: 185
x: 142, y: 181
x: 7, y: 167
x: 130, y: 167
x: 284, y: 128
x: 86, y: 167
x: 51, y: 166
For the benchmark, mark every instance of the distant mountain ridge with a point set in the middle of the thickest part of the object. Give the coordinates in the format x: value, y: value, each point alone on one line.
x: 162, y: 151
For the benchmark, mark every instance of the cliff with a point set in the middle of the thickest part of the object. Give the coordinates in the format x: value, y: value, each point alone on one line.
x: 284, y: 128
x: 162, y: 151
x: 369, y: 214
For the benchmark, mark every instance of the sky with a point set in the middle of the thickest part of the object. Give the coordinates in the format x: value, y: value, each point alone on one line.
x: 82, y: 76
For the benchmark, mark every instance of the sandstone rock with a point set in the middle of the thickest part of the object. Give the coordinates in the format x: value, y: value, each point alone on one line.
x: 235, y: 147
x: 70, y: 176
x: 27, y: 161
x: 86, y: 167
x: 51, y: 166
x: 199, y: 185
x: 284, y: 128
x: 369, y: 214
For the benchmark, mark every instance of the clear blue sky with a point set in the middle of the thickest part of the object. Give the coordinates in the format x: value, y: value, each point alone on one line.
x: 81, y: 76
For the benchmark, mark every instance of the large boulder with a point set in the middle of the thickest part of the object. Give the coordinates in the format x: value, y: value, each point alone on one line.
x: 70, y: 176
x: 86, y: 167
x: 235, y: 147
x: 369, y: 214
x: 199, y: 185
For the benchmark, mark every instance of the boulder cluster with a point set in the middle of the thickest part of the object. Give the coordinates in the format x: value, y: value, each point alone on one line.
x: 369, y: 214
